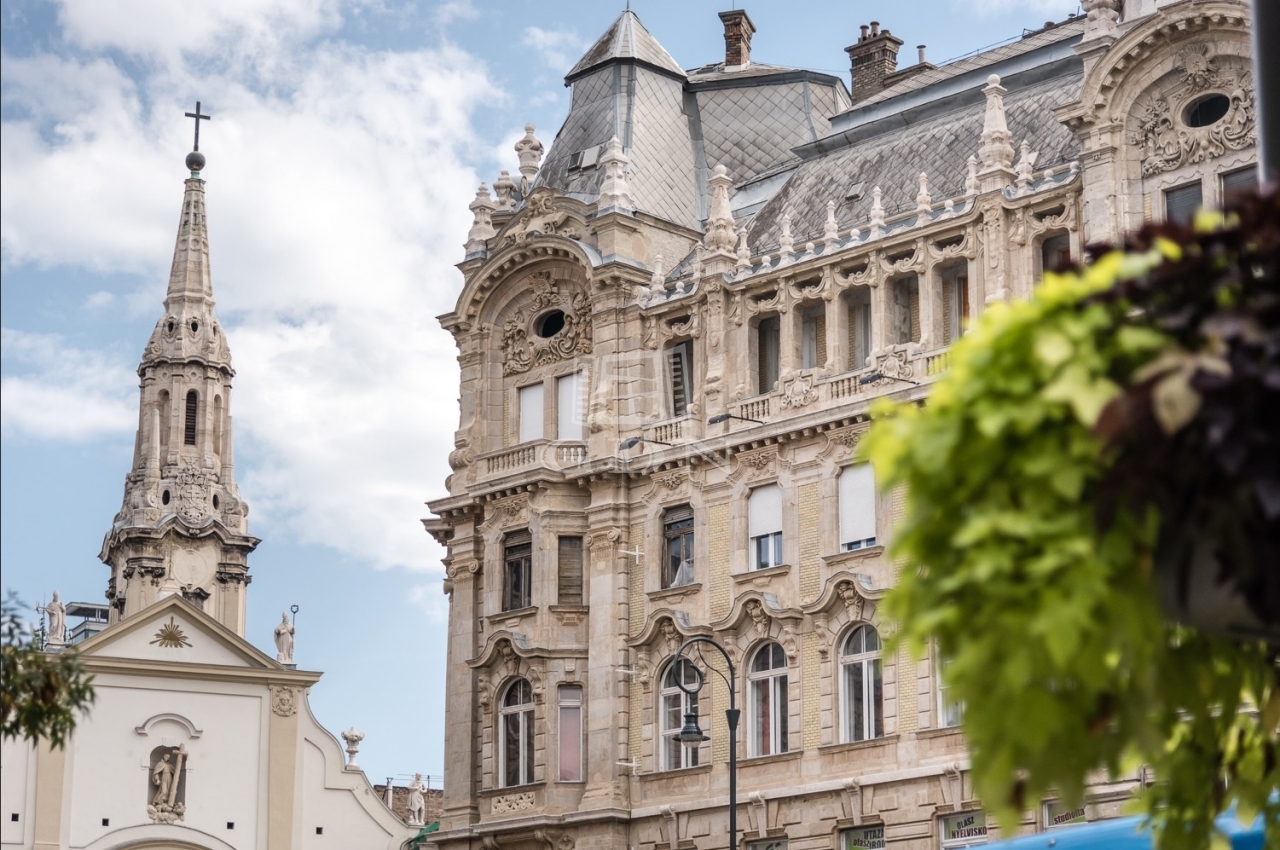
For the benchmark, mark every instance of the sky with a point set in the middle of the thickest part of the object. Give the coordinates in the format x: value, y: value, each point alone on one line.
x: 347, y: 138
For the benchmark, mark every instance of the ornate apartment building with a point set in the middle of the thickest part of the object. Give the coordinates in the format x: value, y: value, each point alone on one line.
x: 673, y: 325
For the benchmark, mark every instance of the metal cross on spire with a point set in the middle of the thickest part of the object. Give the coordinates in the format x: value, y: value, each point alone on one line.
x: 198, y: 117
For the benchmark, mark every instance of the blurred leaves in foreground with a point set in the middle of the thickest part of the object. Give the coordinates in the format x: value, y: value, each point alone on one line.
x: 40, y: 694
x: 1090, y: 448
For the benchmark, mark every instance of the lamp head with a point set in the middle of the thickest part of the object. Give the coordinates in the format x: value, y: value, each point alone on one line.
x: 718, y: 418
x: 871, y: 378
x: 629, y: 443
x: 690, y: 734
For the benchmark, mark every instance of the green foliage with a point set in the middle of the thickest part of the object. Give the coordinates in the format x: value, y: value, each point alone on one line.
x: 1059, y: 648
x: 40, y: 695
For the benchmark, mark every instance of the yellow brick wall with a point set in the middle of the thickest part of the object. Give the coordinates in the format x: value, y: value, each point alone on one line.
x: 718, y: 560
x: 719, y: 702
x: 635, y: 590
x: 810, y: 511
x: 811, y: 706
x: 908, y: 699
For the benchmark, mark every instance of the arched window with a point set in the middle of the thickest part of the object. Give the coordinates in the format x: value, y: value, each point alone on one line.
x: 861, y: 689
x: 189, y: 426
x: 516, y: 733
x: 675, y: 705
x: 767, y: 698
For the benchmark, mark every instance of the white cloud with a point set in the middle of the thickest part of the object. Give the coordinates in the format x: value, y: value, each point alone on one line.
x: 63, y: 392
x: 337, y: 187
x: 1053, y: 10
x: 559, y: 48
x: 454, y: 10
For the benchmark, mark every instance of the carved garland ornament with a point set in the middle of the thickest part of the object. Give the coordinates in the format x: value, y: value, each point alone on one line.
x: 523, y: 348
x: 284, y: 700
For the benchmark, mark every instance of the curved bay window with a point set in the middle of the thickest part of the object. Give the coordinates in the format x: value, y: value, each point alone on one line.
x: 677, y: 531
x: 515, y: 748
x: 767, y: 701
x: 861, y: 685
x: 675, y: 705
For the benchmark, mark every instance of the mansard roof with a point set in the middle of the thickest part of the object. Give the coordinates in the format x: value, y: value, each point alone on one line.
x: 626, y: 39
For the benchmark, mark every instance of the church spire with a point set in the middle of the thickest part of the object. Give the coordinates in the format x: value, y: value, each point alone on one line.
x: 183, y: 524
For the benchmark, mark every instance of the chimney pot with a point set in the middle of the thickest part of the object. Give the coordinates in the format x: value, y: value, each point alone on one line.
x: 863, y: 37
x: 875, y: 27
x: 920, y: 49
x: 873, y: 57
x: 738, y: 29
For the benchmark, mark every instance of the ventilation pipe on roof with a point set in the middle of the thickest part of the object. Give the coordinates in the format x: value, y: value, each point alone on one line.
x: 737, y: 38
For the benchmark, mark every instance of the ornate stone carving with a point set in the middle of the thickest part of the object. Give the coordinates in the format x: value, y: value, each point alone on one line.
x: 57, y: 621
x: 603, y: 542
x: 481, y: 222
x: 284, y: 639
x: 799, y: 390
x: 614, y: 191
x: 508, y: 803
x: 894, y: 364
x: 671, y: 480
x: 171, y: 636
x: 759, y: 617
x: 853, y: 793
x: 529, y: 150
x: 757, y: 463
x: 853, y: 600
x: 284, y: 700
x: 167, y: 804
x: 353, y: 739
x: 539, y: 216
x: 194, y: 490
x: 416, y: 807
x: 523, y: 349
x: 1199, y: 68
x: 1166, y: 143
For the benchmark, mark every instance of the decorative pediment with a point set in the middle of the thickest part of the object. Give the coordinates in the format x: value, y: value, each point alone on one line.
x: 669, y: 625
x: 853, y: 591
x: 545, y: 214
x: 756, y: 616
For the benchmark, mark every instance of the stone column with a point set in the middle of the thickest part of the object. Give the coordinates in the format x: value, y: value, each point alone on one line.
x: 460, y: 698
x: 604, y: 787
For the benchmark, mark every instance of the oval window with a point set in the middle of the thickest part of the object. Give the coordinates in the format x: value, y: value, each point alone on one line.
x: 164, y: 497
x: 549, y: 325
x: 195, y: 326
x: 215, y: 501
x: 1207, y: 110
x: 171, y: 327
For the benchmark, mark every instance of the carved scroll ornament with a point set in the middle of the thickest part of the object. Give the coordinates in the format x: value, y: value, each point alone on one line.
x: 523, y: 348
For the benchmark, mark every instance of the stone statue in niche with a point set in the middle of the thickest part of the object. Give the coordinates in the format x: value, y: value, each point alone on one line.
x: 167, y: 776
x: 284, y: 640
x: 57, y: 621
x: 417, y: 805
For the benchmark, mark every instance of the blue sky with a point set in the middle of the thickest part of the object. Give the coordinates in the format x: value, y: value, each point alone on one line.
x: 348, y: 137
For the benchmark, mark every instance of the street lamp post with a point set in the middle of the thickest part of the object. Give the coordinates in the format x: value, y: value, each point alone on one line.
x: 691, y: 735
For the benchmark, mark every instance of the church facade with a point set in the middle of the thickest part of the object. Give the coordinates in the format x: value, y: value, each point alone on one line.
x: 196, y: 740
x: 672, y: 328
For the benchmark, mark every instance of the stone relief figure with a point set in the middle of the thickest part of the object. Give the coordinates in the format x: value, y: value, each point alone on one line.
x: 57, y: 620
x: 167, y: 804
x: 284, y: 640
x: 417, y: 805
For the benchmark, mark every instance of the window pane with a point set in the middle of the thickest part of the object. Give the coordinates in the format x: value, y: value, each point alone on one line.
x: 531, y: 413
x: 762, y: 716
x: 780, y: 711
x: 570, y: 571
x: 526, y: 745
x: 877, y: 699
x: 857, y: 506
x: 767, y: 354
x: 511, y: 749
x: 571, y: 734
x: 1180, y: 204
x: 570, y: 404
x: 764, y: 509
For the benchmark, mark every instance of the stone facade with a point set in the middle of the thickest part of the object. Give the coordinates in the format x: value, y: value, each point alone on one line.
x: 663, y: 391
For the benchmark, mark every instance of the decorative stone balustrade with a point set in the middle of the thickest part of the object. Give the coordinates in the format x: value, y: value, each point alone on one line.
x: 510, y: 460
x: 571, y: 454
x: 672, y: 430
x: 757, y: 408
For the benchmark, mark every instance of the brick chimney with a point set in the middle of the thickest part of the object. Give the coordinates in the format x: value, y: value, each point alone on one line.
x: 737, y: 38
x: 873, y: 58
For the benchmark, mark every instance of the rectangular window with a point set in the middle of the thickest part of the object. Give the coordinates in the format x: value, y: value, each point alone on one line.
x: 955, y: 301
x: 966, y: 829
x: 531, y: 413
x: 1238, y: 183
x: 764, y: 509
x: 857, y: 507
x: 1055, y: 251
x: 570, y: 732
x: 813, y: 338
x: 570, y: 404
x: 677, y: 529
x: 679, y: 364
x: 859, y: 330
x: 906, y: 310
x: 517, y: 553
x: 1058, y: 814
x: 950, y: 711
x: 1180, y: 204
x: 569, y: 578
x: 189, y: 425
x: 863, y: 838
x: 768, y: 844
x: 767, y: 352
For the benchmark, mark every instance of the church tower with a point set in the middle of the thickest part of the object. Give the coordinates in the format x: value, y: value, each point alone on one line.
x: 182, y: 527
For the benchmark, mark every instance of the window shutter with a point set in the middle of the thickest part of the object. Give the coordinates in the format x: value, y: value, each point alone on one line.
x: 569, y: 392
x: 531, y: 413
x: 857, y: 503
x: 820, y: 337
x: 913, y: 309
x: 948, y: 310
x: 764, y: 509
x: 678, y: 372
x: 1180, y: 204
x: 680, y: 513
x: 570, y: 571
x: 767, y: 353
x: 189, y: 426
x: 1237, y: 183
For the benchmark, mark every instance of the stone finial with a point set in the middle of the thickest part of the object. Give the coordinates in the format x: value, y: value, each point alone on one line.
x: 744, y: 250
x: 505, y: 188
x: 971, y: 181
x: 786, y: 245
x: 924, y: 204
x: 1026, y: 166
x: 996, y: 151
x: 353, y: 739
x: 1101, y: 17
x: 658, y: 280
x: 482, y: 224
x: 877, y: 213
x: 829, y: 231
x: 529, y: 149
x: 614, y: 191
x: 719, y: 237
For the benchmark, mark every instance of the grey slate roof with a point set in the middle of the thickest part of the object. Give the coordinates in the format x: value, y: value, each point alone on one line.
x: 626, y: 38
x: 939, y: 146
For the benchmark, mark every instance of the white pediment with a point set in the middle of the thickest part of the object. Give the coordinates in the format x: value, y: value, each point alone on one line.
x: 173, y: 631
